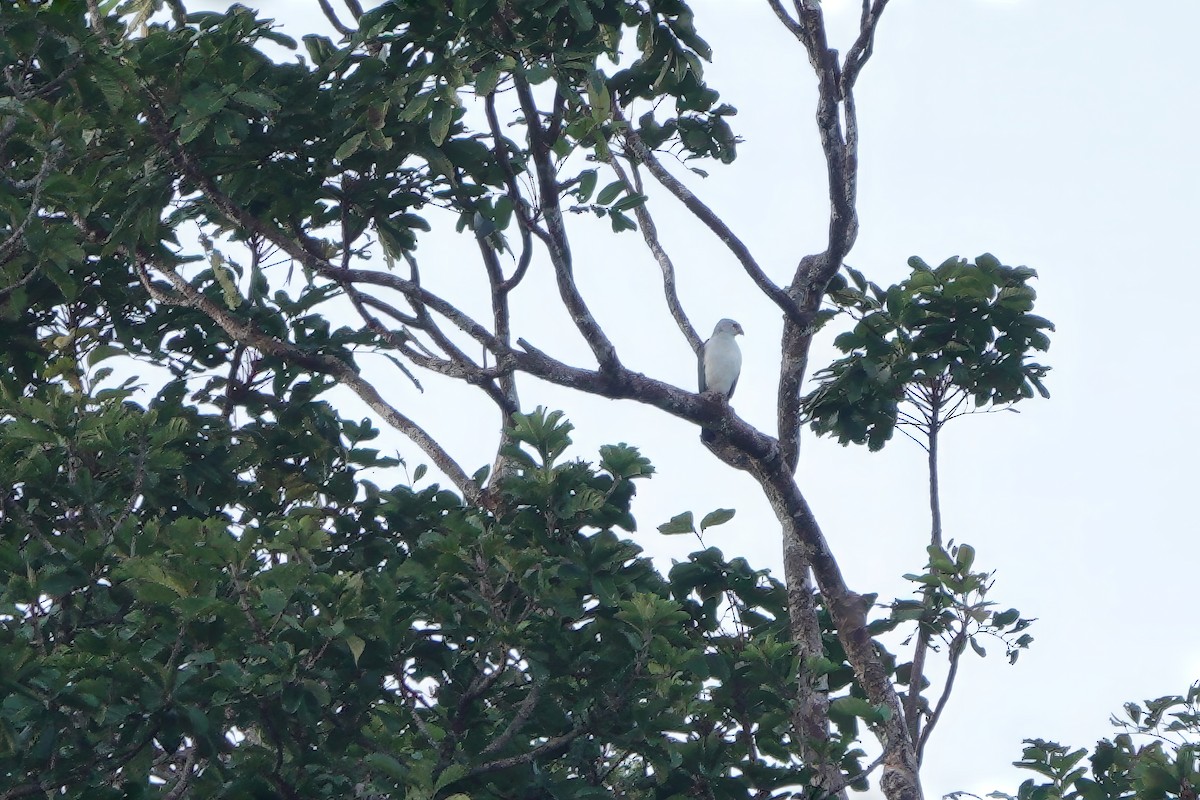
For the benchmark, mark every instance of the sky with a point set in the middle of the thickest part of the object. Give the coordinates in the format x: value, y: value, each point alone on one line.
x: 1056, y: 134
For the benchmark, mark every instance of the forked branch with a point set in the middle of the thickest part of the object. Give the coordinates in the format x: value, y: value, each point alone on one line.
x: 242, y: 331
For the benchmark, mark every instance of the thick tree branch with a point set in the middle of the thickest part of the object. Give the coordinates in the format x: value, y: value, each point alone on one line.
x: 804, y: 542
x: 771, y: 463
x: 811, y: 717
x: 835, y: 104
x: 793, y: 364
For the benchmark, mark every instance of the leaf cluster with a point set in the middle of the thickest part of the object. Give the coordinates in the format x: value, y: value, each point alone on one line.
x: 1157, y: 758
x: 237, y: 609
x: 953, y: 606
x: 943, y: 340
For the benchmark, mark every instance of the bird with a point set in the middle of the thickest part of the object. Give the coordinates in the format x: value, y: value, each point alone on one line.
x: 719, y: 364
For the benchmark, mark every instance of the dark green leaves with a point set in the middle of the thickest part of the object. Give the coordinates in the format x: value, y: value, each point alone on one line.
x: 221, y: 585
x: 1152, y: 759
x: 547, y: 432
x: 942, y: 342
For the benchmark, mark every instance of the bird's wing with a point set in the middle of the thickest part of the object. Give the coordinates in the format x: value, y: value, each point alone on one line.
x: 732, y: 386
x: 700, y: 377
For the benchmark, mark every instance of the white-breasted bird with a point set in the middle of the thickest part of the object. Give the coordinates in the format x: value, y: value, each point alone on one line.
x: 720, y: 363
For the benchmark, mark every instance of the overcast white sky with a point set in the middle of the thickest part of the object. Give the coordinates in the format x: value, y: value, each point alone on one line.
x: 1059, y: 135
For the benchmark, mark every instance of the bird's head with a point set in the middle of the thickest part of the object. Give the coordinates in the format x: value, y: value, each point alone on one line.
x: 729, y: 327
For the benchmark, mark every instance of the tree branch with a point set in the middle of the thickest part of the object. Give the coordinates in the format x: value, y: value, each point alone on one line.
x: 242, y: 331
x: 912, y: 706
x: 331, y: 15
x: 787, y: 20
x: 650, y: 236
x: 524, y: 710
x: 550, y: 747
x: 860, y: 52
x: 706, y: 215
x: 804, y: 542
x: 524, y: 224
x: 559, y: 249
x: 9, y: 246
x: 956, y: 650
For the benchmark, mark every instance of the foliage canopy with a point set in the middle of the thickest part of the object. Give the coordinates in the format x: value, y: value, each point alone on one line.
x: 207, y: 593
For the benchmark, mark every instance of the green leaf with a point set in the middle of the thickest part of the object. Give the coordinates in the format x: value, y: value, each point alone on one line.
x: 439, y: 122
x: 845, y: 708
x: 452, y: 773
x: 628, y: 202
x: 620, y: 222
x: 487, y: 78
x: 320, y: 48
x: 350, y: 146
x: 598, y: 96
x: 1003, y: 620
x: 965, y: 557
x: 582, y: 14
x: 680, y: 523
x: 717, y: 517
x: 610, y: 193
x: 356, y: 645
x: 256, y: 100
x: 386, y: 764
x: 587, y: 185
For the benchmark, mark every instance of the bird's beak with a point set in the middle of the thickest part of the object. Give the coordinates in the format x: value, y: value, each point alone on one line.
x: 737, y: 328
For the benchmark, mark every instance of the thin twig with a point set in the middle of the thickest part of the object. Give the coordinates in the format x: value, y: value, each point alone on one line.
x: 650, y: 236
x: 179, y: 790
x: 706, y: 215
x: 9, y: 246
x: 955, y: 656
